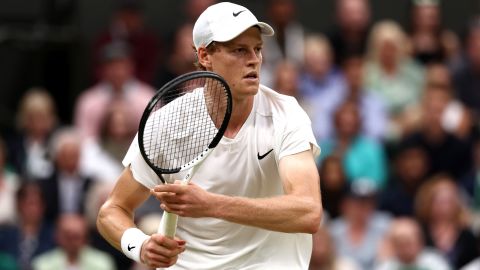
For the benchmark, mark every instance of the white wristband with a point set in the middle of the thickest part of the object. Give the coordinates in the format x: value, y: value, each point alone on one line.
x: 131, y: 242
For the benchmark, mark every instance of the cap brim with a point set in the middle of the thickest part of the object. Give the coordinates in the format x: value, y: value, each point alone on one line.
x: 265, y: 29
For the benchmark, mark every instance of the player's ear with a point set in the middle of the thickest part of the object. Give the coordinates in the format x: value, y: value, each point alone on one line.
x: 204, y: 57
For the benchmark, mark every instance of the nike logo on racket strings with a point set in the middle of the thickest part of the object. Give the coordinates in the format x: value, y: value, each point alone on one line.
x: 260, y: 157
x: 129, y: 247
x: 235, y: 14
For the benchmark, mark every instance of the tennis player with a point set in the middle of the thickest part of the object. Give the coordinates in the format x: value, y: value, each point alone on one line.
x: 255, y: 201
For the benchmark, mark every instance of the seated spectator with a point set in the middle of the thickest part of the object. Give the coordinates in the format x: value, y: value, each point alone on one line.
x: 324, y: 256
x: 372, y: 108
x: 319, y: 79
x: 405, y: 241
x: 180, y: 58
x: 117, y: 132
x: 410, y: 168
x: 97, y: 195
x: 358, y: 233
x: 352, y: 25
x: 67, y: 187
x: 444, y: 217
x: 32, y: 235
x: 286, y: 79
x: 431, y: 42
x: 456, y: 118
x: 73, y: 251
x: 28, y: 149
x: 117, y: 86
x: 392, y: 74
x: 361, y: 157
x: 332, y: 184
x: 288, y: 41
x: 9, y: 183
x: 127, y: 25
x: 467, y: 74
x: 446, y: 152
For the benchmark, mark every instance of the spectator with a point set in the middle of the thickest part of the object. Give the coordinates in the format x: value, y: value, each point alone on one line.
x: 73, y: 251
x: 28, y: 150
x: 333, y: 184
x: 430, y: 41
x: 445, y: 221
x: 32, y: 235
x: 67, y: 187
x: 118, y: 86
x: 95, y: 198
x: 322, y: 88
x: 181, y: 58
x: 127, y: 26
x: 359, y: 231
x: 446, y: 152
x: 467, y: 75
x: 352, y: 23
x: 391, y: 72
x: 286, y: 79
x: 456, y: 118
x: 372, y: 108
x: 324, y: 256
x: 405, y: 240
x: 288, y: 41
x: 409, y: 172
x: 9, y: 183
x: 117, y: 132
x: 361, y: 157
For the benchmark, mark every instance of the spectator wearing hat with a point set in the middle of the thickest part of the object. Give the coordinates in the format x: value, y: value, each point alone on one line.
x: 359, y: 231
x: 117, y: 86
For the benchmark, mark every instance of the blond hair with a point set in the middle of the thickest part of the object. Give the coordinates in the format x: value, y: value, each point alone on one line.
x: 426, y: 195
x: 384, y: 31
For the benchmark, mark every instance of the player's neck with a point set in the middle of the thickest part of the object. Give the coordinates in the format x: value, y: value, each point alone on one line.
x: 241, y: 111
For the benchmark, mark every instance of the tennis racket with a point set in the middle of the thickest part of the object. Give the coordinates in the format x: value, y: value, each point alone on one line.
x: 181, y: 126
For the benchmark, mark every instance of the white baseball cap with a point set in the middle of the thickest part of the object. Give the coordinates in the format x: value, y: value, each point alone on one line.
x: 223, y: 22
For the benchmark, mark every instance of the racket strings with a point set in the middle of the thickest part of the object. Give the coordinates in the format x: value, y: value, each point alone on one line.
x: 184, y: 122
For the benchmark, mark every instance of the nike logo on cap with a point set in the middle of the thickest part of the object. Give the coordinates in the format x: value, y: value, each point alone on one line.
x: 129, y: 247
x: 260, y: 157
x: 235, y: 14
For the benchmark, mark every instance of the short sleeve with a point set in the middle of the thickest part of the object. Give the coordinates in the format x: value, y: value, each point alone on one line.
x: 297, y: 135
x: 140, y: 169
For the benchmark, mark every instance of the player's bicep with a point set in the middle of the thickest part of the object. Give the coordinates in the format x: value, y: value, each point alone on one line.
x: 299, y: 175
x: 128, y: 193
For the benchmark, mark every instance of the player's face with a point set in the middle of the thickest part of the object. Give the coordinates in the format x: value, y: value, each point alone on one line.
x: 238, y: 61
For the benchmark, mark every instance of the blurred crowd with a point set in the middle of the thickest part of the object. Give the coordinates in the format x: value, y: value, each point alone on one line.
x: 395, y: 110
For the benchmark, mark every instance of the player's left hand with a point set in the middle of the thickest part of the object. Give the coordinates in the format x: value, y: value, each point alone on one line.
x: 185, y: 200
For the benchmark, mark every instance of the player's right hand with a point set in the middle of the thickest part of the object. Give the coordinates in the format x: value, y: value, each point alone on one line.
x: 161, y: 251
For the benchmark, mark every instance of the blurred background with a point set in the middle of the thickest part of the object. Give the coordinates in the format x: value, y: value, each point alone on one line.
x: 392, y: 89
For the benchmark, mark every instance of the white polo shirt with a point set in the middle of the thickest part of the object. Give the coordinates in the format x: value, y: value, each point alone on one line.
x: 245, y: 166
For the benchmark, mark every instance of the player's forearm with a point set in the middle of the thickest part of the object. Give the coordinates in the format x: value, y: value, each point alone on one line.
x: 112, y: 221
x: 287, y: 213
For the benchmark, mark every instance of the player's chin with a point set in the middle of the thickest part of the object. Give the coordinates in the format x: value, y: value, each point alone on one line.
x: 251, y: 85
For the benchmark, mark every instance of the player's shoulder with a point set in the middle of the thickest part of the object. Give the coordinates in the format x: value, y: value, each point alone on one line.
x: 281, y: 108
x: 272, y: 103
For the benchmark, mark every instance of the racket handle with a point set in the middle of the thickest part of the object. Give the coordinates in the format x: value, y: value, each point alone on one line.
x: 168, y: 224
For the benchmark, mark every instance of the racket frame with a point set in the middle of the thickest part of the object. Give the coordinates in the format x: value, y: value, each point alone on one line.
x: 168, y: 223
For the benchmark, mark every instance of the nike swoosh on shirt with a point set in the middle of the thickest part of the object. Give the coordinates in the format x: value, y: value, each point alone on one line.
x: 260, y: 157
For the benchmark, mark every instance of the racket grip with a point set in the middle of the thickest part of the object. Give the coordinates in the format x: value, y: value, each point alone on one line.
x: 168, y: 225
